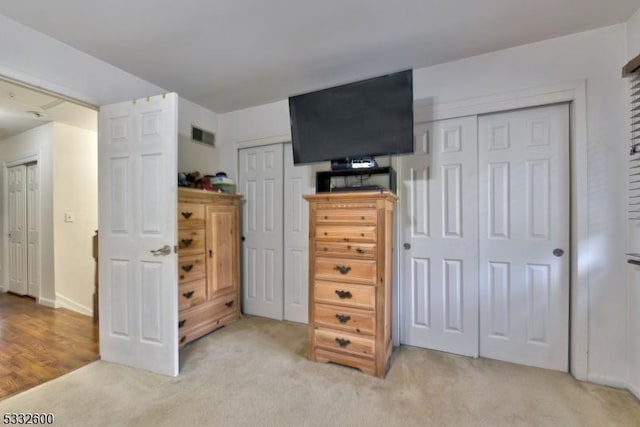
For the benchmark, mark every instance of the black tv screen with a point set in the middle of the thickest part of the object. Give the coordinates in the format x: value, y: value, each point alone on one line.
x: 363, y: 119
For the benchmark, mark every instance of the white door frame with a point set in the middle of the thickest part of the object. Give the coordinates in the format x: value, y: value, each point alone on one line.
x: 21, y: 160
x: 575, y: 93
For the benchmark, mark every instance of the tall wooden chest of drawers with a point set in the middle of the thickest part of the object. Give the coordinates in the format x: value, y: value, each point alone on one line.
x: 208, y: 262
x: 351, y: 279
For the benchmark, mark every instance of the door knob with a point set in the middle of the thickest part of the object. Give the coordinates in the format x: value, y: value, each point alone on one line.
x: 407, y: 245
x: 558, y: 252
x: 165, y: 250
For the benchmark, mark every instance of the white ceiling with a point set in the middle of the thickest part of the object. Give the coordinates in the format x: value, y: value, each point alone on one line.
x: 230, y: 54
x: 22, y: 109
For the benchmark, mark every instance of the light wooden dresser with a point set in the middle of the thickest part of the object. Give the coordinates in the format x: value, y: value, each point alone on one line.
x: 351, y: 279
x: 208, y: 262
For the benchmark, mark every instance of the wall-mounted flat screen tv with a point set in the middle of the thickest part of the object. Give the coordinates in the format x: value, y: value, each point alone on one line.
x: 362, y: 119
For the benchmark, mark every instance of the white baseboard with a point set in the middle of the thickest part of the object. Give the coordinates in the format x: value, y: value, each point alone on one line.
x: 47, y: 302
x: 608, y: 381
x: 634, y: 390
x: 63, y: 302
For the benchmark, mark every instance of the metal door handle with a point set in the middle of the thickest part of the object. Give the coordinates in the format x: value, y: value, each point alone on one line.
x: 558, y: 252
x: 165, y: 250
x: 407, y: 245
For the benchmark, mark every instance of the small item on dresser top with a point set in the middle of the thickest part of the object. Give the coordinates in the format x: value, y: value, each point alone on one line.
x: 189, y: 179
x: 222, y: 183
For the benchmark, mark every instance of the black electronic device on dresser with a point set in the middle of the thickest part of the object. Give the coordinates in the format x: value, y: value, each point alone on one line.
x: 355, y: 179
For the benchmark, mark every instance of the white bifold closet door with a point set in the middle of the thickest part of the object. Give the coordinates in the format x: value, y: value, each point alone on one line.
x: 486, y: 237
x: 261, y: 178
x: 24, y: 223
x: 276, y: 232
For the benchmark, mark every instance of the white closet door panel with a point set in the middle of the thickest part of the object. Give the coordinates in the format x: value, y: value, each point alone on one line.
x: 261, y: 183
x: 524, y: 217
x: 439, y: 205
x: 298, y: 180
x: 33, y: 230
x: 17, y: 221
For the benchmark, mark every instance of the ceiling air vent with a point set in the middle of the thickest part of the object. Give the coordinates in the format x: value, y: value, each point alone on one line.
x: 203, y: 136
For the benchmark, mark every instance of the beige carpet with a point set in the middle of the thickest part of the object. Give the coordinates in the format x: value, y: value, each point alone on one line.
x: 254, y: 373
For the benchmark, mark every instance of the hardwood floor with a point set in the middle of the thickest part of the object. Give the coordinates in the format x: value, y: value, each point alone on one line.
x: 38, y: 343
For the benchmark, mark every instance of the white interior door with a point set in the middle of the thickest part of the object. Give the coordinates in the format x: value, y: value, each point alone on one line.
x: 261, y: 183
x: 524, y: 236
x: 440, y: 238
x: 33, y: 230
x: 17, y: 206
x: 298, y: 180
x: 137, y: 158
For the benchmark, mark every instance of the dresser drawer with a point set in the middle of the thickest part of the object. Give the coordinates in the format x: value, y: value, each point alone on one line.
x: 206, y: 317
x: 345, y: 319
x: 345, y: 342
x: 190, y: 242
x: 346, y: 295
x: 190, y: 215
x: 191, y: 268
x: 351, y: 216
x: 192, y: 293
x: 346, y: 270
x: 346, y: 233
x: 346, y: 249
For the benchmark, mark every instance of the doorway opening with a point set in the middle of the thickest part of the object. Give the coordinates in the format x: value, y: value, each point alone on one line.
x: 48, y: 146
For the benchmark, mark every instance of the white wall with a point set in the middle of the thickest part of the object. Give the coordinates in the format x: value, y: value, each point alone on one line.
x: 269, y: 122
x: 633, y: 242
x: 595, y: 56
x: 35, y: 141
x: 193, y: 156
x: 75, y: 190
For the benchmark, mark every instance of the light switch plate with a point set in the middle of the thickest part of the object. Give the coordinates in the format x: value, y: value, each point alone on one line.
x: 69, y: 217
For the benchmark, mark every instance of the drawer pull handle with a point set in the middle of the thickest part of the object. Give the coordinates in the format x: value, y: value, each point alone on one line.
x: 229, y: 304
x: 343, y: 294
x: 326, y: 217
x: 360, y: 250
x: 346, y: 239
x: 343, y: 269
x: 362, y: 218
x: 187, y: 242
x: 187, y: 267
x: 188, y: 295
x: 181, y: 323
x: 343, y: 342
x: 186, y: 215
x: 343, y: 318
x: 183, y: 339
